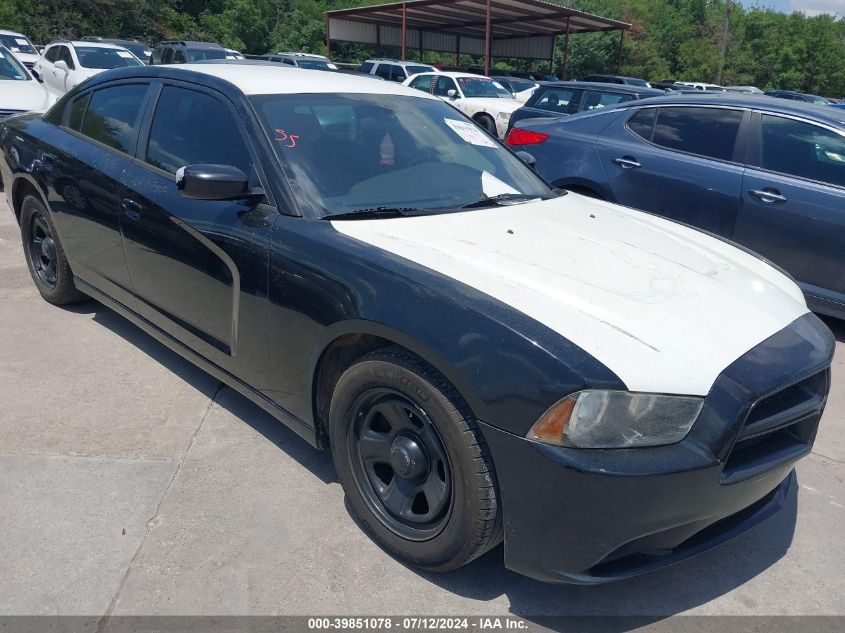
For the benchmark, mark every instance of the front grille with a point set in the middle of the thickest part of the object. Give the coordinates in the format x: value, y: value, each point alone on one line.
x: 779, y: 429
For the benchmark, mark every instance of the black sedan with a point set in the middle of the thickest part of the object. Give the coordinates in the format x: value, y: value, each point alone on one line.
x: 485, y: 359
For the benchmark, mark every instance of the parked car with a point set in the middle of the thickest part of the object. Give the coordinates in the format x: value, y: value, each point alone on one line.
x: 373, y: 269
x: 704, y: 87
x: 665, y: 84
x: 481, y: 98
x: 617, y: 79
x: 136, y: 47
x: 570, y: 97
x: 746, y: 89
x: 395, y: 70
x: 798, y: 96
x: 231, y: 53
x: 20, y: 46
x: 186, y: 51
x: 521, y: 89
x: 65, y: 64
x: 766, y: 173
x: 303, y: 60
x: 19, y: 92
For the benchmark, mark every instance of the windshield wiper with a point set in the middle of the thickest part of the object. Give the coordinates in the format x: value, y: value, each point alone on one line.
x: 503, y: 199
x: 376, y: 212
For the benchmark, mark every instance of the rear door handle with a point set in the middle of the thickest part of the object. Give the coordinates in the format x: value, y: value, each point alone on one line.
x: 627, y: 162
x: 131, y: 209
x: 768, y: 196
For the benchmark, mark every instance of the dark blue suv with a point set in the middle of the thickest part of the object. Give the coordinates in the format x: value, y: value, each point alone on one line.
x: 766, y: 173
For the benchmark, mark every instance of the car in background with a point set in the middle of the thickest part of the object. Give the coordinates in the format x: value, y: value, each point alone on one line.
x: 65, y: 64
x: 136, y: 47
x: 20, y: 46
x: 481, y: 98
x: 395, y: 70
x: 19, y: 91
x: 606, y: 391
x: 231, y: 53
x: 791, y: 95
x: 766, y: 173
x: 617, y: 79
x: 521, y: 89
x: 744, y: 89
x: 186, y: 52
x: 552, y: 100
x: 302, y: 60
x: 704, y: 87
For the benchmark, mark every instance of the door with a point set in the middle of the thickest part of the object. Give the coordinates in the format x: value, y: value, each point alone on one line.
x: 47, y: 71
x: 684, y: 163
x: 794, y: 202
x: 198, y: 267
x: 94, y: 145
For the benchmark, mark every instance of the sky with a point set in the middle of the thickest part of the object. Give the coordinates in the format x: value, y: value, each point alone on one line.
x: 810, y: 7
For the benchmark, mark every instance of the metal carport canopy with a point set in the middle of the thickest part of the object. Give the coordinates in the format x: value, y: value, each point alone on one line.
x: 486, y: 28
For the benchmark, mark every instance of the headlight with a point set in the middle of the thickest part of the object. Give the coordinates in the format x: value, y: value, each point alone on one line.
x: 504, y: 115
x: 616, y: 419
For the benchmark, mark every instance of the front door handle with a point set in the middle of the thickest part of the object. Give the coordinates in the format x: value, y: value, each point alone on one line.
x: 627, y: 162
x: 131, y: 209
x: 768, y: 196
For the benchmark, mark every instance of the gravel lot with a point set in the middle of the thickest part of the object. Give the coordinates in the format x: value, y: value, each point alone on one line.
x: 133, y: 483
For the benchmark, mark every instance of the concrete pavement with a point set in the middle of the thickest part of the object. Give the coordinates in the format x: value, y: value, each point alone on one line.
x: 133, y: 483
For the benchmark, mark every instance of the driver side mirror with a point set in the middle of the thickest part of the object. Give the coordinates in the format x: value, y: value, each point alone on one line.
x: 62, y: 65
x: 214, y: 182
x: 452, y: 93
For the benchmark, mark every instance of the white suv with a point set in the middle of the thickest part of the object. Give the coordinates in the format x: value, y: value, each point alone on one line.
x: 394, y: 70
x: 66, y: 64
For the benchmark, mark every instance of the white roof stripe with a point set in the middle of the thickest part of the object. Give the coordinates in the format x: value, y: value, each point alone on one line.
x: 262, y: 79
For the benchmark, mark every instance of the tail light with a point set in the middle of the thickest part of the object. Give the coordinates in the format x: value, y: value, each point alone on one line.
x: 518, y: 136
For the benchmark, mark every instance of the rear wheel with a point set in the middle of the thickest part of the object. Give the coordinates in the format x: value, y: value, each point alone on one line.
x: 487, y: 122
x: 412, y: 461
x: 45, y: 257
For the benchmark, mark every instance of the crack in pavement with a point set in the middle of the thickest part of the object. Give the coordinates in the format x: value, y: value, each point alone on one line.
x: 103, y: 621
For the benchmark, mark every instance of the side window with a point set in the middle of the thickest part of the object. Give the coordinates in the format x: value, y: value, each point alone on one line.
x: 398, y: 74
x: 192, y: 127
x: 709, y: 132
x: 52, y: 54
x: 803, y: 150
x: 444, y: 85
x: 66, y: 57
x: 642, y: 123
x: 595, y: 100
x: 563, y: 101
x: 167, y: 56
x: 77, y: 112
x: 423, y: 82
x: 156, y: 58
x: 179, y: 57
x: 366, y: 67
x: 288, y: 61
x: 383, y: 70
x: 113, y: 114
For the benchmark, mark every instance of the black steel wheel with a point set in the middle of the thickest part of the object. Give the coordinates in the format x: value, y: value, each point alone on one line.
x: 45, y: 257
x: 400, y: 464
x: 414, y: 465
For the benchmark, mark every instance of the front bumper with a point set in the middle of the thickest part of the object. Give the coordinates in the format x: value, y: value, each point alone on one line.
x: 593, y: 516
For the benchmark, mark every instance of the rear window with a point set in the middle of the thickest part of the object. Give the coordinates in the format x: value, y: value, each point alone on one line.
x: 709, y: 132
x: 413, y: 70
x: 559, y: 100
x: 594, y: 100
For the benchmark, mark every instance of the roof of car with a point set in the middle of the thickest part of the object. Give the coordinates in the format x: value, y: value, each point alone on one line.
x: 261, y: 79
x: 295, y: 54
x: 743, y: 100
x: 599, y: 85
x: 191, y: 43
x: 399, y: 62
x: 7, y: 32
x: 457, y: 75
x: 88, y: 43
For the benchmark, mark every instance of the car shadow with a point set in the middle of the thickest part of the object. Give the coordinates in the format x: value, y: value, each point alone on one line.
x: 622, y: 605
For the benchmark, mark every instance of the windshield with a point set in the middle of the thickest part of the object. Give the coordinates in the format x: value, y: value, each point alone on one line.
x: 636, y: 82
x: 10, y: 68
x: 106, y: 58
x: 141, y: 51
x: 482, y: 87
x: 315, y: 64
x: 198, y: 54
x: 18, y: 44
x: 344, y: 152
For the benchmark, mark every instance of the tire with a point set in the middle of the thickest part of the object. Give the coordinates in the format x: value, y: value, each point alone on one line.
x: 487, y: 122
x: 45, y: 257
x: 399, y: 430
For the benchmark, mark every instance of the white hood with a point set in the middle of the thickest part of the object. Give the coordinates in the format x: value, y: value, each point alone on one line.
x: 665, y: 307
x: 24, y: 95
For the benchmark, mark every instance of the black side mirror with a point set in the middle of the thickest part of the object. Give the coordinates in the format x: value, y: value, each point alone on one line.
x: 526, y: 158
x: 214, y: 182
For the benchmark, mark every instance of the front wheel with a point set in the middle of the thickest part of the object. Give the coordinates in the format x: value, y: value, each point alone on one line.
x: 412, y: 461
x: 487, y: 122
